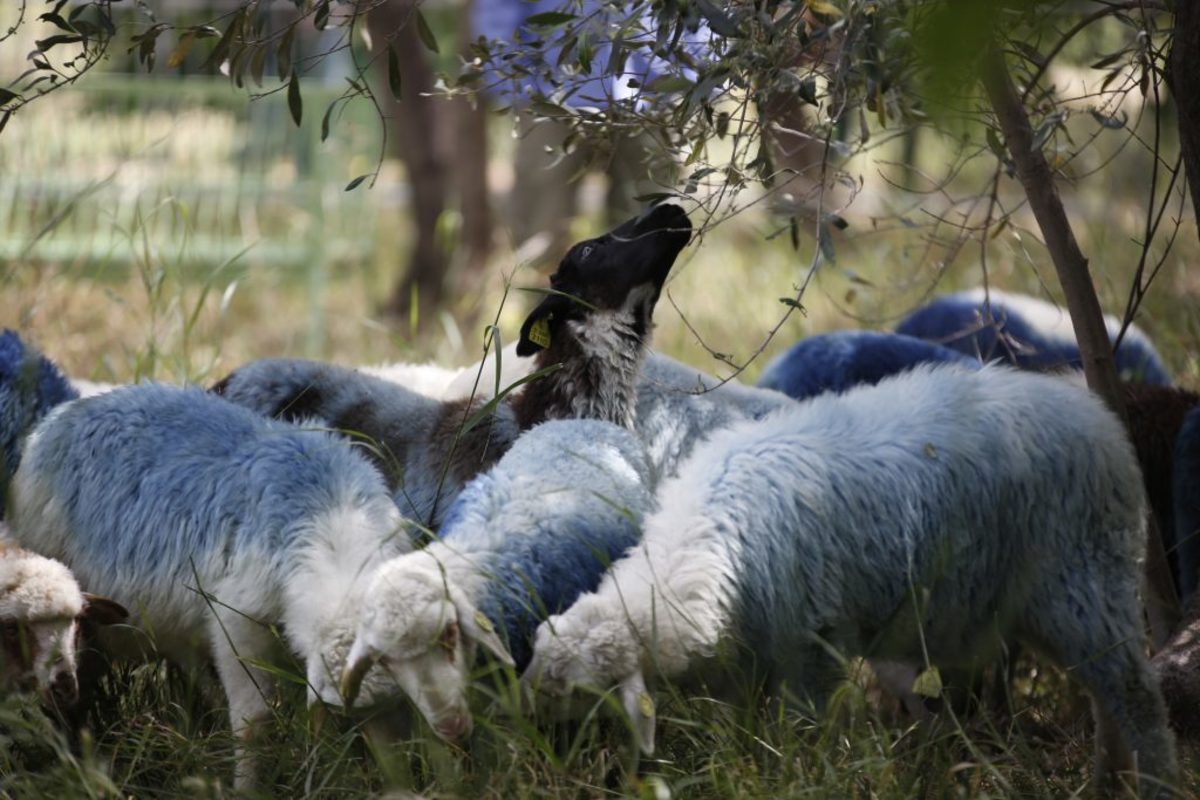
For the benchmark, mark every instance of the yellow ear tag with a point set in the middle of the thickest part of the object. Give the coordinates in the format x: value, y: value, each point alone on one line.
x: 483, y: 622
x: 539, y: 332
x: 645, y: 705
x: 928, y: 683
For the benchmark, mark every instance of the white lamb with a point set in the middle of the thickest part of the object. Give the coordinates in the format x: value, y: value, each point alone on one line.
x: 523, y: 540
x: 214, y: 524
x: 41, y: 609
x: 967, y: 507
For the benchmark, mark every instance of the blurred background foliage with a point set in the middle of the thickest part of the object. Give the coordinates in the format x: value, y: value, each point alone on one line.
x: 165, y: 215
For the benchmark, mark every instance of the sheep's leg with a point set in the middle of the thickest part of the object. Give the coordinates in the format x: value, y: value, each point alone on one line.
x: 250, y: 691
x: 809, y: 677
x: 1093, y: 629
x: 1131, y: 718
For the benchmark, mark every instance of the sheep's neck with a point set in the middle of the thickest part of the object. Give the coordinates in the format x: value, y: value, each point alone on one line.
x: 597, y: 379
x: 462, y: 453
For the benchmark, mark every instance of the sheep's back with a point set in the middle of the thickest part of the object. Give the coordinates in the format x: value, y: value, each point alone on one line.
x: 840, y: 360
x: 1037, y: 334
x: 965, y: 485
x: 545, y: 523
x: 157, y: 487
x: 30, y: 386
x: 678, y: 407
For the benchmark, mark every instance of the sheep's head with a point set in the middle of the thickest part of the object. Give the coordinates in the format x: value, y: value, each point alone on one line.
x: 588, y: 647
x: 621, y: 271
x: 41, y: 611
x: 422, y: 631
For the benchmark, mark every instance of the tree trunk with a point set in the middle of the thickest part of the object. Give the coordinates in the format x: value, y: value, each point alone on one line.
x: 1183, y: 78
x: 471, y: 165
x: 1095, y: 349
x: 415, y: 129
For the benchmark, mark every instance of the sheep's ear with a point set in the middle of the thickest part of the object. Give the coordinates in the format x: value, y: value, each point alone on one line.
x: 640, y: 708
x: 477, y: 627
x: 535, y: 333
x: 102, y: 610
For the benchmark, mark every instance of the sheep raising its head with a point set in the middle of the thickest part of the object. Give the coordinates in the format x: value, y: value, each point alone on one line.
x: 588, y: 648
x: 422, y: 630
x: 41, y: 608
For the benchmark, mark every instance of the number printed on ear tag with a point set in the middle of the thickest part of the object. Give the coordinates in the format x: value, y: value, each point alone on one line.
x: 539, y: 332
x: 483, y: 622
x: 645, y: 705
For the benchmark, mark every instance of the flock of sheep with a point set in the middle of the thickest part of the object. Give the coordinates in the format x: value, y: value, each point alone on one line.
x: 599, y: 517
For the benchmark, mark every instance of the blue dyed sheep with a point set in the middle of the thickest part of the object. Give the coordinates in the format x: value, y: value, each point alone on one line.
x: 522, y: 541
x: 215, y: 524
x: 837, y: 361
x: 929, y: 511
x: 30, y: 385
x: 1026, y: 332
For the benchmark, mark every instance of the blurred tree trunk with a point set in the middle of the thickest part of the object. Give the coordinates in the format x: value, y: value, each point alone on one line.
x: 1183, y: 77
x: 1095, y: 349
x: 416, y: 128
x: 471, y: 164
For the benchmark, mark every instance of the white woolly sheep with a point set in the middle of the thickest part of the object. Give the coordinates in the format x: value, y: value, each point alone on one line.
x: 588, y: 333
x: 940, y: 511
x: 429, y: 379
x: 522, y: 541
x: 214, y: 524
x: 41, y: 610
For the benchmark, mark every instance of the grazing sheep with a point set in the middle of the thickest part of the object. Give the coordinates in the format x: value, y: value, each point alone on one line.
x: 1187, y: 503
x: 41, y: 610
x: 1155, y: 417
x: 1026, y: 332
x: 837, y: 361
x: 215, y: 524
x: 523, y: 540
x: 30, y: 385
x: 587, y: 333
x: 941, y: 511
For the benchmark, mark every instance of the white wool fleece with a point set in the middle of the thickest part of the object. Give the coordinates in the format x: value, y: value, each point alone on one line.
x: 33, y: 587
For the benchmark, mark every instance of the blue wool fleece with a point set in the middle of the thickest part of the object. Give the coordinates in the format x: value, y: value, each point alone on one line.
x: 154, y: 479
x: 30, y: 385
x: 547, y: 521
x: 1026, y: 332
x: 837, y: 361
x: 1186, y: 475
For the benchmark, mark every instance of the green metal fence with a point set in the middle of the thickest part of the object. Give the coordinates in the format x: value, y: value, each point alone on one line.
x: 133, y: 170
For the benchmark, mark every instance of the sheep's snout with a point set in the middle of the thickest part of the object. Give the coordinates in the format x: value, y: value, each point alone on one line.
x: 458, y: 725
x: 63, y: 692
